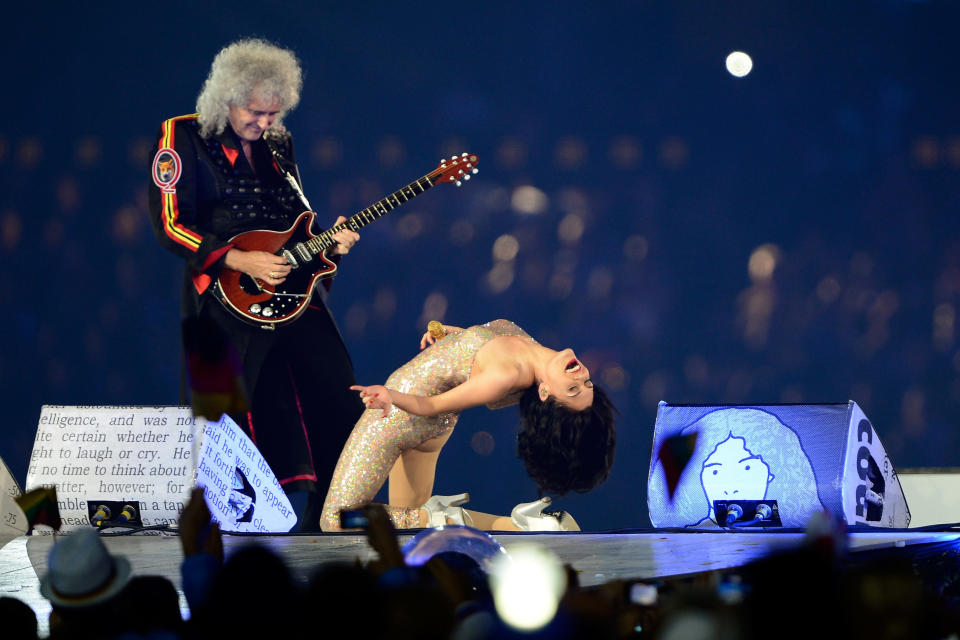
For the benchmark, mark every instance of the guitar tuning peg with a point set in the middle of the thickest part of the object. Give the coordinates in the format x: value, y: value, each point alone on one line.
x: 475, y: 171
x: 466, y: 177
x: 458, y: 183
x: 453, y: 157
x: 460, y: 171
x: 463, y: 155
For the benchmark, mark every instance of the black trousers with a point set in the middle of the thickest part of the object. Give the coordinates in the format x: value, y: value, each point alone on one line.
x: 297, y: 379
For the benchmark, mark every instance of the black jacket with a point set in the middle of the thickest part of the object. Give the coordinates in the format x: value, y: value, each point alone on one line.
x: 203, y: 192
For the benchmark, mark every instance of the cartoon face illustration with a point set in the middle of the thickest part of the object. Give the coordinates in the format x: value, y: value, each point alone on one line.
x: 741, y: 453
x: 733, y: 472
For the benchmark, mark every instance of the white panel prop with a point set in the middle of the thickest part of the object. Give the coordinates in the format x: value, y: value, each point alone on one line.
x: 933, y: 494
x: 240, y: 488
x: 12, y: 521
x: 140, y: 454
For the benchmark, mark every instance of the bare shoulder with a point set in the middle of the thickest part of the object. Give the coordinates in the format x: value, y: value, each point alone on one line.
x: 503, y: 359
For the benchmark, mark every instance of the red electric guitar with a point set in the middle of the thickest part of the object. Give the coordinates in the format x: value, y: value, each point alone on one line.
x: 267, y: 306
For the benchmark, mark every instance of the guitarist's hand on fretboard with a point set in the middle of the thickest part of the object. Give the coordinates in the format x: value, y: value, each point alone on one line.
x: 260, y: 265
x: 345, y: 239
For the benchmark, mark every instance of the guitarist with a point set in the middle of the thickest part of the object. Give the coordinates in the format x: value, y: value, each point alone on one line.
x: 229, y: 169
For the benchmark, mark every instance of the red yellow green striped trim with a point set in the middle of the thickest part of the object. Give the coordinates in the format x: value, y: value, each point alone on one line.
x: 168, y: 198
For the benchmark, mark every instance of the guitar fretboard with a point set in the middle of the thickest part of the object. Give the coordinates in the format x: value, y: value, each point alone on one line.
x: 377, y: 210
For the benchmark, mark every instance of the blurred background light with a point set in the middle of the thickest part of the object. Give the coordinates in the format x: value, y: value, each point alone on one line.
x: 505, y: 248
x: 674, y: 152
x: 528, y: 199
x: 762, y: 262
x: 570, y: 153
x: 500, y: 277
x: 570, y: 229
x: 11, y: 228
x: 391, y: 152
x: 327, y: 152
x: 434, y: 308
x: 635, y: 248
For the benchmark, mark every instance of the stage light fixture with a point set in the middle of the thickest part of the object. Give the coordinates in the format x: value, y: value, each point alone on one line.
x: 527, y: 586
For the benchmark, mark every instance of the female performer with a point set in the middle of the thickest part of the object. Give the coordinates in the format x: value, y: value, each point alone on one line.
x: 566, y: 440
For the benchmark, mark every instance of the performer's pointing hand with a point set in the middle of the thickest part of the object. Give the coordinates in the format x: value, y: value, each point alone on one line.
x: 375, y: 397
x: 345, y: 238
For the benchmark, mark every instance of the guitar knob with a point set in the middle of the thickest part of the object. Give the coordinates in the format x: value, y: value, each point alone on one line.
x: 254, y: 308
x: 267, y: 312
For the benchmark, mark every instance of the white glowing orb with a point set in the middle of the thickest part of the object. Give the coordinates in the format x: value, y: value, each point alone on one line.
x: 739, y: 64
x: 527, y: 586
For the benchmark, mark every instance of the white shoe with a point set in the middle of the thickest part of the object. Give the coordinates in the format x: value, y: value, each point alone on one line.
x: 530, y: 516
x: 444, y: 510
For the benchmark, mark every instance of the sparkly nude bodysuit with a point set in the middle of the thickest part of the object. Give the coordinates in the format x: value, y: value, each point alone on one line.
x: 376, y: 442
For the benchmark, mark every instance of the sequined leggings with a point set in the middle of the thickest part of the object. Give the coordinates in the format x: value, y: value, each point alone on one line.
x: 370, y: 453
x: 374, y: 447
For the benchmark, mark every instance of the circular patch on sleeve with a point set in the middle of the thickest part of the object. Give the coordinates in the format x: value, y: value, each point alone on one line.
x: 166, y: 169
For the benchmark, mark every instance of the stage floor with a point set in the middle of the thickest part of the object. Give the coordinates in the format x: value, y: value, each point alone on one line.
x: 598, y: 557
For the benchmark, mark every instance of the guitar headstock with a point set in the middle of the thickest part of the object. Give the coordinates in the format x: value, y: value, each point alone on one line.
x: 457, y: 169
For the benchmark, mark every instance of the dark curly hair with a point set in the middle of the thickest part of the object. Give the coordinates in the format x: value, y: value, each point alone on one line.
x: 565, y: 450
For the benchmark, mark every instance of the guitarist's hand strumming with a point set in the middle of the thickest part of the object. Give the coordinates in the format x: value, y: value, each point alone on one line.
x: 261, y: 265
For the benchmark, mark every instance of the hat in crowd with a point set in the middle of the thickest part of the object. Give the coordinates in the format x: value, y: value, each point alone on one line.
x: 81, y: 572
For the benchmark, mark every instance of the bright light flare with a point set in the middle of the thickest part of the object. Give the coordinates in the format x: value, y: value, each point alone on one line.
x: 527, y: 586
x: 739, y: 64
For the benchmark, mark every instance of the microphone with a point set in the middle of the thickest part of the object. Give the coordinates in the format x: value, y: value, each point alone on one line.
x: 102, y: 513
x: 436, y: 329
x: 289, y: 177
x: 734, y: 513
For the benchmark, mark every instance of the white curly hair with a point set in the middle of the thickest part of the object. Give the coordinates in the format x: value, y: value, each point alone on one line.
x: 238, y: 69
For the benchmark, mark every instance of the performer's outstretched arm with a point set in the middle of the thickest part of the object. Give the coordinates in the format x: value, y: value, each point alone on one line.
x: 485, y: 388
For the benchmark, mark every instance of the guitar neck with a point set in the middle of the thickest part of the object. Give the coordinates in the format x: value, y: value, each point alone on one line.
x: 374, y: 212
